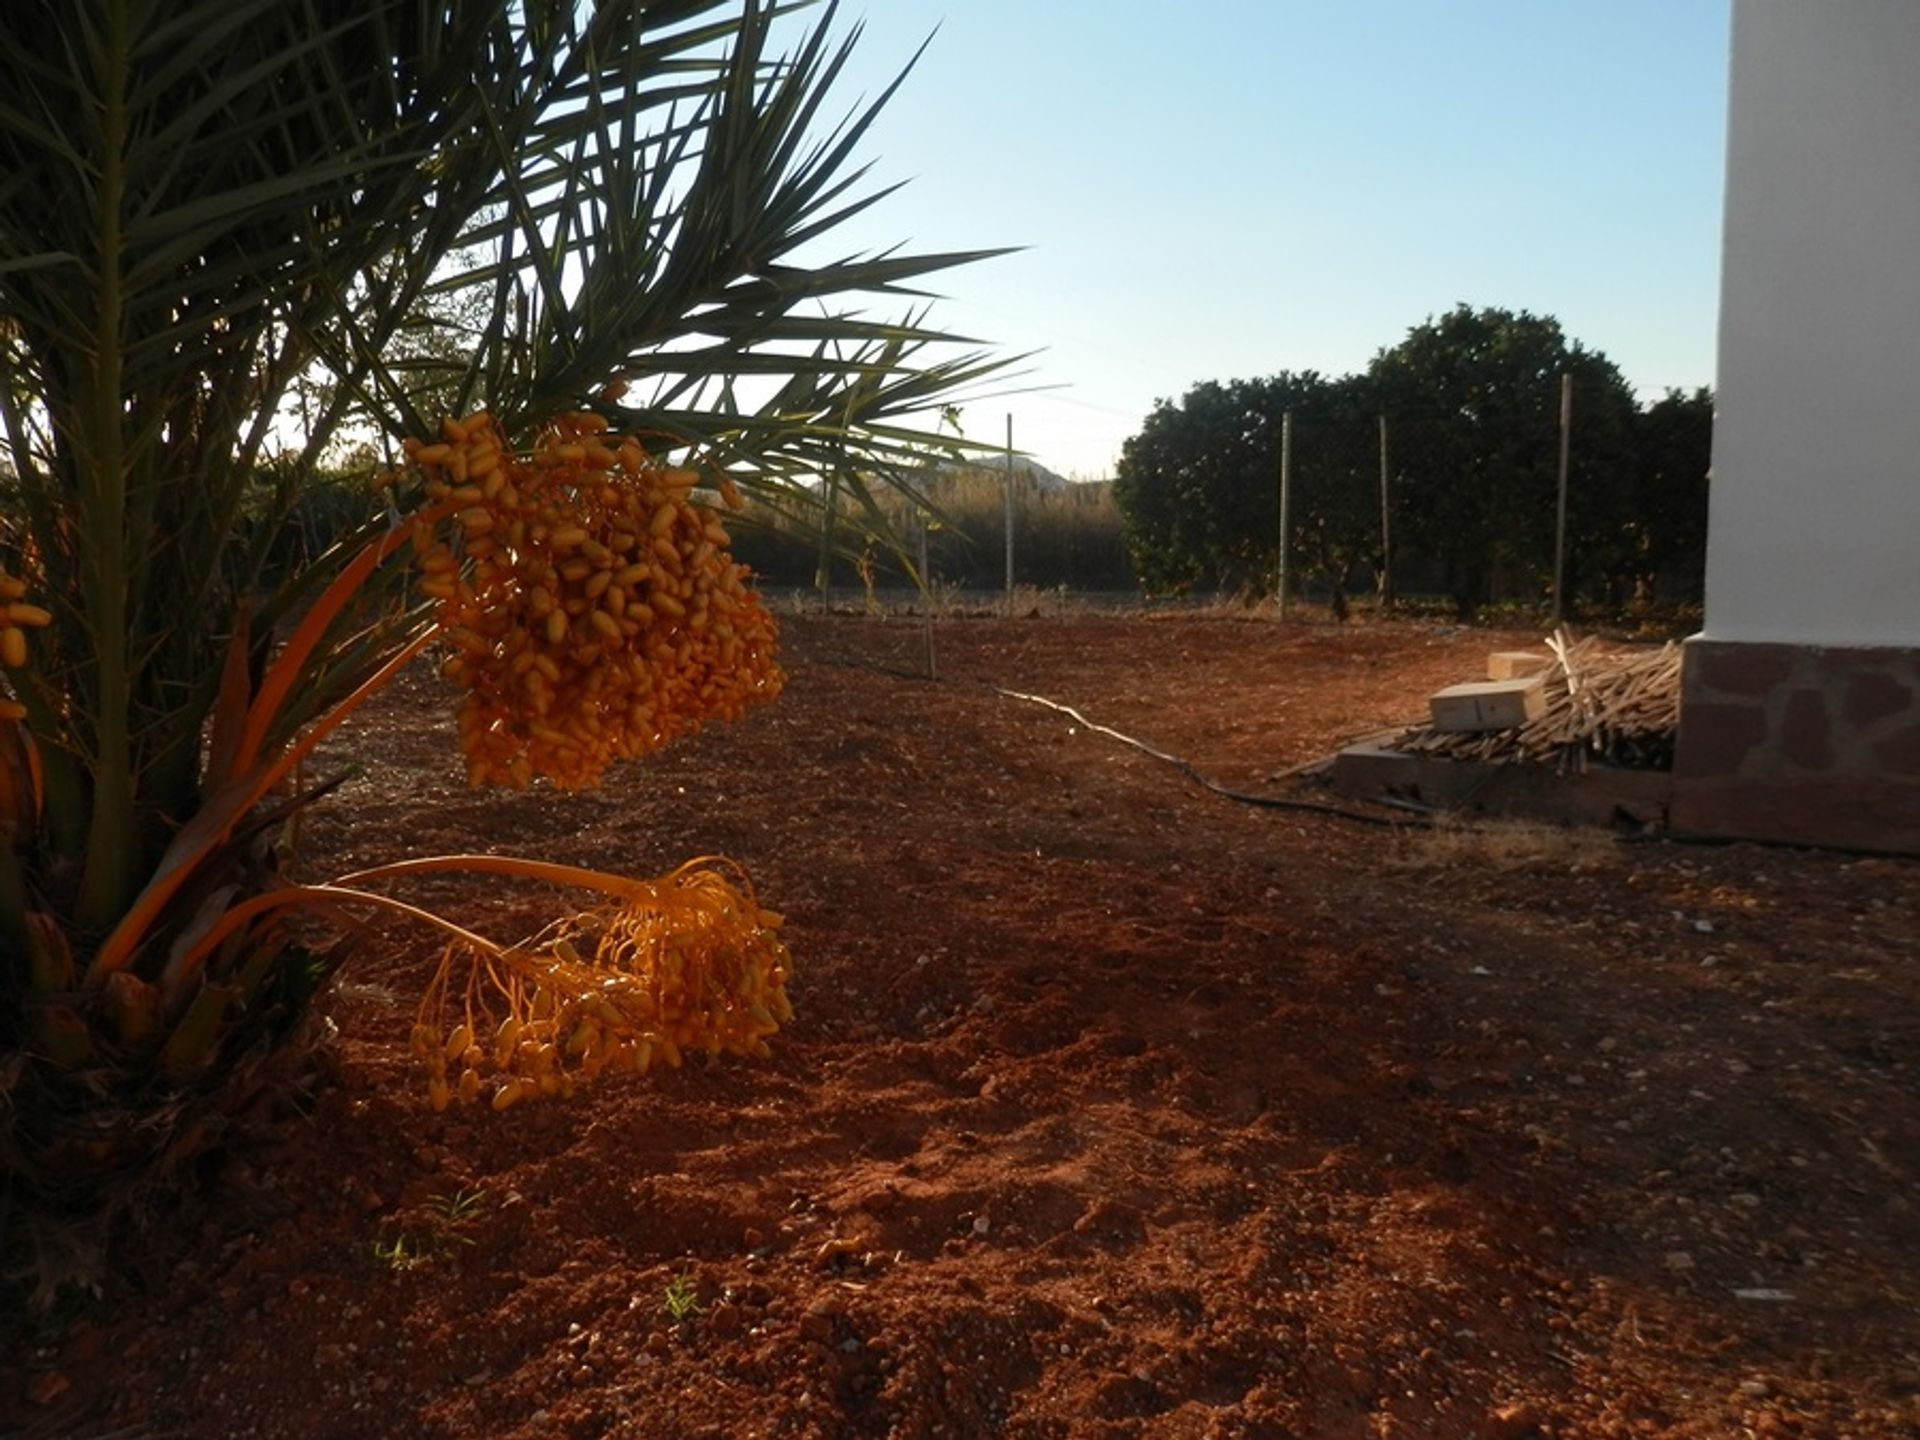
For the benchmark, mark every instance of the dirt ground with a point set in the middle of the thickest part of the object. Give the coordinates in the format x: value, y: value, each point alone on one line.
x: 1111, y: 1108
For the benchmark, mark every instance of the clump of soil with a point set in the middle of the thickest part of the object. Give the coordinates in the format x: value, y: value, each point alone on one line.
x: 1112, y: 1108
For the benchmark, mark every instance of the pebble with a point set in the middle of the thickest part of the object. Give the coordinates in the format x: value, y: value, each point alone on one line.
x: 1511, y: 1422
x: 817, y: 1323
x: 1679, y: 1260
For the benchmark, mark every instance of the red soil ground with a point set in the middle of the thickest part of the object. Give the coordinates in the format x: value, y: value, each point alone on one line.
x: 1112, y: 1108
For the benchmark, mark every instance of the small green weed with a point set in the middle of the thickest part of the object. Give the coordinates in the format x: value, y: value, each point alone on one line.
x: 446, y: 1215
x: 461, y: 1206
x: 400, y: 1254
x: 681, y: 1300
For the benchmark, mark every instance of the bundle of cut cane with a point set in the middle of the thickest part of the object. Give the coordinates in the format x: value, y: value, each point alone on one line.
x: 1603, y: 706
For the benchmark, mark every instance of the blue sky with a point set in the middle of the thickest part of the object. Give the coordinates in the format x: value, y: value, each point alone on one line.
x: 1236, y: 187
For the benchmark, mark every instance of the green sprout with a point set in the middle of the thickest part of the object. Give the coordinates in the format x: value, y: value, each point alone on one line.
x: 449, y: 1213
x: 463, y: 1205
x: 400, y: 1254
x: 681, y: 1300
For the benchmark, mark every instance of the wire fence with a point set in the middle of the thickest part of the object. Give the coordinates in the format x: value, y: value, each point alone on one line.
x: 1423, y: 510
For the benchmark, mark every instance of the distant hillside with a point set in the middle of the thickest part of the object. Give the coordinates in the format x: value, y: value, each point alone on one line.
x: 1028, y: 469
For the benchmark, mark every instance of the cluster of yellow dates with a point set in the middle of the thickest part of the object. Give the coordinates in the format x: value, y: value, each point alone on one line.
x: 597, y: 615
x: 689, y: 962
x: 16, y: 618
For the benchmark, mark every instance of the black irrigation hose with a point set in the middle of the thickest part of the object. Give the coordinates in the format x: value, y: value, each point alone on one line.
x: 1268, y: 802
x: 1419, y: 819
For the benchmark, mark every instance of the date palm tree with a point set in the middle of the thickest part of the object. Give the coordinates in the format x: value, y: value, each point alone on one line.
x: 208, y: 204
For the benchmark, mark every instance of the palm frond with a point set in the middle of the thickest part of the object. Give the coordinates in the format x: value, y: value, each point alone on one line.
x: 413, y: 207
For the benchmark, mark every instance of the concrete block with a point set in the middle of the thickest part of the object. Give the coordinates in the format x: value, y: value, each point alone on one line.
x: 1516, y: 664
x: 1600, y: 795
x: 1488, y: 704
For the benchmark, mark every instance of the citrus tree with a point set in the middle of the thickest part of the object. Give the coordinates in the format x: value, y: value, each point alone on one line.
x: 1474, y: 396
x: 1197, y: 485
x: 556, y: 261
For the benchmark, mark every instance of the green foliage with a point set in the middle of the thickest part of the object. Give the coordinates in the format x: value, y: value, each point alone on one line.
x: 680, y: 1301
x: 448, y: 1217
x: 1674, y: 452
x: 503, y: 204
x: 1474, y: 401
x: 463, y: 1205
x: 400, y: 1254
x: 1199, y: 485
x: 1471, y: 403
x: 244, y: 244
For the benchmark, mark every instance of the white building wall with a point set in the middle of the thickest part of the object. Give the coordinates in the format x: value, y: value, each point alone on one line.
x: 1815, y: 535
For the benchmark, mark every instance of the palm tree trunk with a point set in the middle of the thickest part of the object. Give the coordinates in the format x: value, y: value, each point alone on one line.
x: 108, y: 874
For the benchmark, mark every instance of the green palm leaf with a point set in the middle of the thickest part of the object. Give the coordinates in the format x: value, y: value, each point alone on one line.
x: 386, y: 210
x: 258, y: 190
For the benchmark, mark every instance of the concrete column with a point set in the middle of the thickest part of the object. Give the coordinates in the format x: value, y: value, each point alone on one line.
x: 1801, y: 717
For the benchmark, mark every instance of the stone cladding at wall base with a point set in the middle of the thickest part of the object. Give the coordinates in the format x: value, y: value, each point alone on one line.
x: 1809, y: 744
